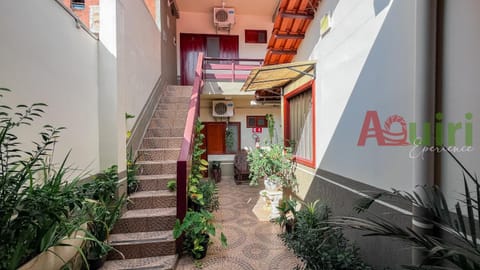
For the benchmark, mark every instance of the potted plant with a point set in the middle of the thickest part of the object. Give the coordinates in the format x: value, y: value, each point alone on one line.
x: 288, y: 215
x: 275, y: 165
x: 103, y: 209
x: 216, y: 170
x: 197, y: 228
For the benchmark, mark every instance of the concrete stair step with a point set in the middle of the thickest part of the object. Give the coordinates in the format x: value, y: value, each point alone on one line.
x: 164, y: 132
x: 146, y: 220
x: 152, y: 199
x: 167, y: 123
x: 172, y: 106
x: 142, y: 244
x: 172, y: 98
x: 179, y: 112
x: 179, y: 90
x: 157, y: 167
x: 158, y: 154
x: 148, y: 263
x: 165, y: 142
x: 154, y: 182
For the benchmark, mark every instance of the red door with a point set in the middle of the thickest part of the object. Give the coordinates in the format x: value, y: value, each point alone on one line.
x: 215, y: 137
x: 212, y: 45
x: 190, y: 46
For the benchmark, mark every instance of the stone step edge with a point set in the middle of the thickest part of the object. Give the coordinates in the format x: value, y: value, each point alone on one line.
x: 141, y: 263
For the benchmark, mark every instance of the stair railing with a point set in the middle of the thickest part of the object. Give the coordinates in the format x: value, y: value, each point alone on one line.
x: 185, y: 157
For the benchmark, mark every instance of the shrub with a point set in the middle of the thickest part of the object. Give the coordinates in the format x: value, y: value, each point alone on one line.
x: 318, y: 245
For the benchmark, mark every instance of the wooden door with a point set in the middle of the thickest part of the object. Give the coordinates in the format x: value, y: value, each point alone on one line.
x: 215, y: 138
x: 190, y: 46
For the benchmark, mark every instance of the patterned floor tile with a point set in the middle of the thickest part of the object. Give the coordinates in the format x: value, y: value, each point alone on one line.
x: 252, y: 240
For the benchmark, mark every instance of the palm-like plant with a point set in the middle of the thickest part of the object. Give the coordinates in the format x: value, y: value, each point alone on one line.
x: 458, y: 248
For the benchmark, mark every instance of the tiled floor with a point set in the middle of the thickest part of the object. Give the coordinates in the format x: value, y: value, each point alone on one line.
x: 252, y: 240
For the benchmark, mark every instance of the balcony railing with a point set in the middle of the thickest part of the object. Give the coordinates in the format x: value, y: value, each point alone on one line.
x: 229, y: 70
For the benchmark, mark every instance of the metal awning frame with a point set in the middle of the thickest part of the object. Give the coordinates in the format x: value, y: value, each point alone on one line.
x: 293, y: 67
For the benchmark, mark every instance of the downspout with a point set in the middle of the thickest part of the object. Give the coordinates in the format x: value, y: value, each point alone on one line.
x: 425, y: 27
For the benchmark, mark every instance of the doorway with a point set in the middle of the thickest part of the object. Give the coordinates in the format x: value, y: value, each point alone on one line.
x: 217, y: 46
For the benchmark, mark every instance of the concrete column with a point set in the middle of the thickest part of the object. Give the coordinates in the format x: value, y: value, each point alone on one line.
x: 424, y: 104
x: 112, y: 129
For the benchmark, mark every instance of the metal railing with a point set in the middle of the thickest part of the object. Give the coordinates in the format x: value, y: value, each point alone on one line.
x: 227, y: 69
x: 185, y: 156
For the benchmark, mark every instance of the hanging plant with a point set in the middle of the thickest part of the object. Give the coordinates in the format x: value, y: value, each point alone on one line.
x: 229, y: 140
x: 271, y: 126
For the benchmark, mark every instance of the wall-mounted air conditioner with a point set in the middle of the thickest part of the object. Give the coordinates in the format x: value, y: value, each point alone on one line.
x: 223, y: 17
x: 222, y: 108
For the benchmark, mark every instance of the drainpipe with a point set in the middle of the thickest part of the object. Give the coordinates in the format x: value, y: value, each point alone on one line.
x: 425, y: 27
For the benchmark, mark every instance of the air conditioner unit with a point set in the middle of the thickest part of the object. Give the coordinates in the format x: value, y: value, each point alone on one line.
x: 222, y: 108
x: 223, y: 16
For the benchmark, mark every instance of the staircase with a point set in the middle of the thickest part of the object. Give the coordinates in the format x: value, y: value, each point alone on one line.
x: 144, y: 232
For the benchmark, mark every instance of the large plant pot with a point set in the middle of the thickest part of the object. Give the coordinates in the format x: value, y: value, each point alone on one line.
x: 217, y: 174
x: 204, y: 244
x: 96, y: 263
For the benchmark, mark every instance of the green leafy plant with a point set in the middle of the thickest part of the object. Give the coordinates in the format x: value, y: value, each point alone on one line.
x: 132, y: 171
x: 275, y: 162
x: 103, y: 209
x: 229, y: 140
x: 199, y: 165
x: 209, y: 191
x: 172, y: 185
x: 38, y: 206
x: 271, y: 126
x: 197, y: 228
x: 457, y: 246
x: 288, y: 214
x: 127, y: 117
x: 319, y: 245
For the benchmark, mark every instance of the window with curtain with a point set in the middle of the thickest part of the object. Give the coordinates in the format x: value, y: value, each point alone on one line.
x: 300, y: 126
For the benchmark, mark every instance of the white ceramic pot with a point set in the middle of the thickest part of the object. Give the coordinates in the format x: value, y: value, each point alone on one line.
x: 270, y: 185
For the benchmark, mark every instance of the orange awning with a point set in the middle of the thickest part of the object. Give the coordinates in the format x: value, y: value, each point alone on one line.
x: 291, y: 22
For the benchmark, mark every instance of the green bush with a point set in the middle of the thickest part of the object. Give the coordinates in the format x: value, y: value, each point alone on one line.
x: 318, y: 245
x: 41, y: 203
x: 209, y: 191
x: 38, y: 207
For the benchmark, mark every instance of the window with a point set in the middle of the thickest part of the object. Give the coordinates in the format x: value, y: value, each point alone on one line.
x: 78, y: 4
x: 255, y: 36
x: 300, y: 123
x: 256, y: 121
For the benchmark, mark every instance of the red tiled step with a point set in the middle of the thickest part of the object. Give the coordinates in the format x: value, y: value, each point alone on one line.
x: 154, y: 182
x: 164, y: 132
x: 157, y: 167
x: 142, y: 244
x: 152, y: 199
x: 165, y: 142
x: 158, y: 154
x: 146, y: 220
x: 148, y: 263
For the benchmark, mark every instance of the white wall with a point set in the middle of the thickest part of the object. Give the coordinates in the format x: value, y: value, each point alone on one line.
x: 364, y: 63
x: 45, y: 58
x: 202, y: 23
x: 461, y: 87
x: 139, y: 55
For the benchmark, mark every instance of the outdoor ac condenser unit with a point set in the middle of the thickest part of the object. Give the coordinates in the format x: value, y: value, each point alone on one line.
x: 223, y: 17
x: 222, y: 108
